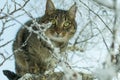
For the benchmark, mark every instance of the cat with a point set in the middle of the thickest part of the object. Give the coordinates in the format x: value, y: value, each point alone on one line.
x: 35, y: 57
x: 11, y: 75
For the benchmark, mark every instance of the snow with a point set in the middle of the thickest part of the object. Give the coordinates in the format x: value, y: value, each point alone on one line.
x: 91, y: 58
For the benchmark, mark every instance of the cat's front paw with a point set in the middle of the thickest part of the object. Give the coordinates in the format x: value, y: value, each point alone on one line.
x: 27, y: 76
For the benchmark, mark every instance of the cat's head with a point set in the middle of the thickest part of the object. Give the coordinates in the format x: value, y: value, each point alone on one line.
x: 63, y: 22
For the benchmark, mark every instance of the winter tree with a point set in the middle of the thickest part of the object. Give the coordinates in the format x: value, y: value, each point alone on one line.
x: 92, y: 54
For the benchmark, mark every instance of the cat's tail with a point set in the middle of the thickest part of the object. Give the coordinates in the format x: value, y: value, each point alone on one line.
x: 11, y: 75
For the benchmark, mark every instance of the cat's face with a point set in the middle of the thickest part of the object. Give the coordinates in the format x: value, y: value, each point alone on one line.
x: 63, y: 23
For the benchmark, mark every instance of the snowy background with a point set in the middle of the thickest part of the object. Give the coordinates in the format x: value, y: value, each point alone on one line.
x: 93, y: 35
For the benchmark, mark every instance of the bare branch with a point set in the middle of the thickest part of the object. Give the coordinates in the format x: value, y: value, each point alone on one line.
x: 106, y: 3
x: 104, y: 40
x: 4, y: 58
x: 15, y: 10
x: 5, y: 43
x: 97, y: 16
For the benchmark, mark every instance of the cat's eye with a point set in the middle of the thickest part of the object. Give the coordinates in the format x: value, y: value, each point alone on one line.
x: 66, y: 24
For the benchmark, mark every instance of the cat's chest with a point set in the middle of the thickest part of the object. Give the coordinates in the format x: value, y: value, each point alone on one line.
x: 41, y: 50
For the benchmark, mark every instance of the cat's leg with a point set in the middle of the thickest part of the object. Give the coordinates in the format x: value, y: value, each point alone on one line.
x: 25, y: 63
x: 21, y: 65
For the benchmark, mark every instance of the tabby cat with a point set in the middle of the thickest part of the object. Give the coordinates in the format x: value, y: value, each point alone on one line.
x: 35, y: 57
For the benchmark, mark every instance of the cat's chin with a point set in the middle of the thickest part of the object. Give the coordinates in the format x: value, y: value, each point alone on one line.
x: 58, y: 39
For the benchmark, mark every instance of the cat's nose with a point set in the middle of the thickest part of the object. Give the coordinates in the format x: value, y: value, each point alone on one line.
x: 57, y: 33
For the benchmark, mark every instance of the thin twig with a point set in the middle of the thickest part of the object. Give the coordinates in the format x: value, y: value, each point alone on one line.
x: 15, y: 10
x: 97, y: 16
x: 6, y: 43
x: 103, y: 39
x: 4, y: 58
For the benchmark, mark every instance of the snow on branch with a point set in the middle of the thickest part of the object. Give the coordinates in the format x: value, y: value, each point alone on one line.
x: 111, y: 66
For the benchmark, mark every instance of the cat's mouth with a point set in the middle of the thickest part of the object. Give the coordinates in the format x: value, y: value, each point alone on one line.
x: 56, y: 37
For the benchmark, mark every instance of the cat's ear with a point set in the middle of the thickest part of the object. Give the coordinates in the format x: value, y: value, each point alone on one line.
x: 49, y: 7
x: 72, y: 11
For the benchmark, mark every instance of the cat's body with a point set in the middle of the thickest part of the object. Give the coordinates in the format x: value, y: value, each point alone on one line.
x: 35, y: 56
